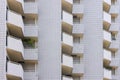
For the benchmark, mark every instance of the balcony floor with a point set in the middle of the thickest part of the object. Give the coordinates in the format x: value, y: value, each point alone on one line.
x: 12, y: 77
x: 14, y: 55
x: 15, y: 30
x: 15, y: 6
x: 66, y: 70
x: 66, y: 6
x: 31, y: 16
x: 66, y: 48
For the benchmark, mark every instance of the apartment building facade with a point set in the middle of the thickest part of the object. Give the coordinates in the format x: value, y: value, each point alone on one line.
x: 59, y: 40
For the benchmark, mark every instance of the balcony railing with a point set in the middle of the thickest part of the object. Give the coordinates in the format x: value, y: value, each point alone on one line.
x: 15, y: 48
x: 107, y: 36
x: 67, y: 60
x: 114, y: 10
x: 14, y: 69
x: 78, y: 49
x: 78, y: 9
x: 107, y: 17
x: 69, y: 1
x: 107, y: 55
x: 67, y: 39
x: 114, y: 46
x: 115, y: 62
x: 107, y: 1
x: 114, y: 27
x: 78, y: 30
x: 67, y: 18
x: 107, y: 74
x: 30, y: 76
x: 66, y: 78
x: 15, y: 23
x: 115, y: 77
x: 78, y: 69
x: 31, y: 8
x: 31, y: 54
x: 31, y: 31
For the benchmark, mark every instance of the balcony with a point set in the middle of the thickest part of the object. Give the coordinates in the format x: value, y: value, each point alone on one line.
x: 114, y: 62
x: 107, y: 74
x: 78, y: 69
x: 66, y: 78
x: 106, y: 38
x: 115, y: 77
x: 15, y: 24
x: 16, y: 5
x: 15, y: 49
x: 114, y: 45
x: 114, y: 10
x: 31, y: 31
x: 107, y: 56
x: 31, y: 55
x: 31, y: 10
x: 114, y: 28
x: 14, y: 71
x: 106, y: 4
x: 78, y: 10
x: 67, y: 64
x: 67, y: 21
x: 78, y: 30
x: 67, y: 5
x: 78, y: 49
x: 67, y: 42
x: 106, y: 20
x: 30, y: 76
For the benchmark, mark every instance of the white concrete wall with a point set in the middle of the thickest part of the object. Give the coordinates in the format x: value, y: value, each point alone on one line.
x: 67, y: 39
x: 15, y: 69
x: 67, y: 17
x: 3, y: 40
x: 49, y: 64
x: 67, y: 60
x: 15, y: 19
x: 93, y: 40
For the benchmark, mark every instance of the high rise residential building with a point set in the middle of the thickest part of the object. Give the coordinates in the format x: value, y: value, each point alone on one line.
x: 59, y: 39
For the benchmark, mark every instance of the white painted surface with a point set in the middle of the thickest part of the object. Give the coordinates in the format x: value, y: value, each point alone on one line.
x: 107, y: 36
x: 70, y: 1
x: 31, y: 31
x: 67, y: 78
x: 67, y: 60
x: 107, y: 1
x: 67, y: 17
x: 15, y: 69
x: 15, y: 44
x: 107, y: 74
x: 107, y: 55
x: 30, y: 76
x: 67, y: 39
x: 106, y: 17
x: 31, y: 7
x: 15, y: 19
x: 31, y: 54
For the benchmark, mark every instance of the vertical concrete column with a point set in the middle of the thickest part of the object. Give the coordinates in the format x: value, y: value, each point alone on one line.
x: 49, y: 21
x: 3, y: 40
x: 117, y: 72
x: 93, y: 39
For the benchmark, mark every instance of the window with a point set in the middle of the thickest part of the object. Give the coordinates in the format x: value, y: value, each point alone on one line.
x: 76, y: 1
x: 76, y: 40
x: 76, y: 60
